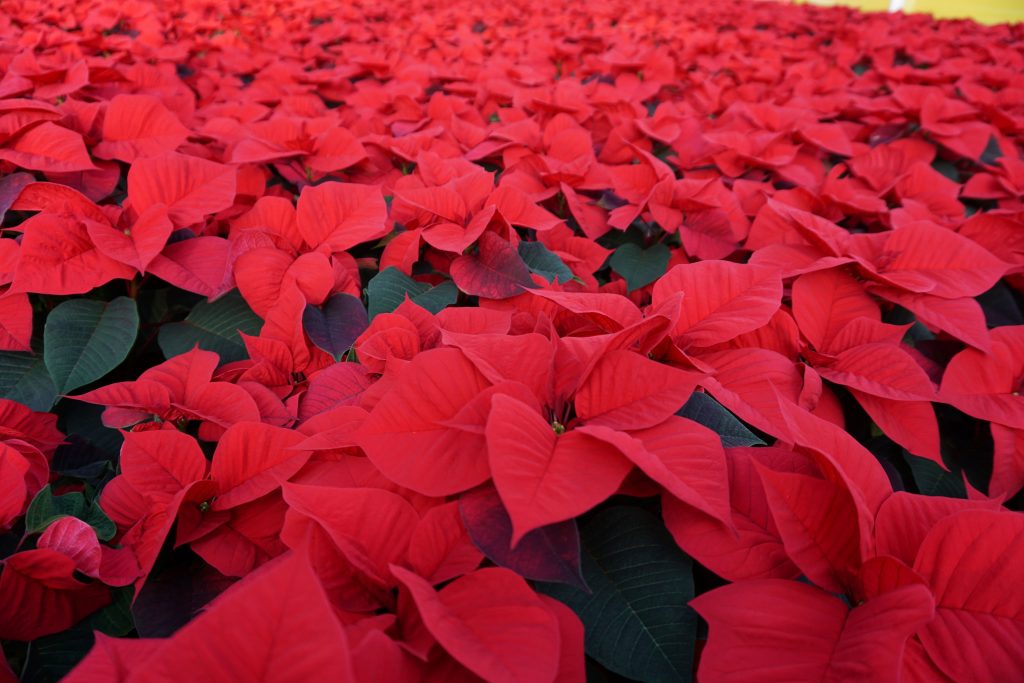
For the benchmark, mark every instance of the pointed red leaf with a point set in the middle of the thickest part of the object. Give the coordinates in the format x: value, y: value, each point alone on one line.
x: 370, y: 527
x: 291, y: 633
x: 911, y: 424
x: 962, y: 318
x: 138, y: 245
x: 486, y: 621
x: 13, y: 491
x: 969, y: 560
x: 405, y: 437
x: 944, y: 263
x: 159, y: 464
x: 199, y: 265
x: 190, y: 187
x: 825, y: 301
x: 441, y: 548
x: 880, y: 369
x: 721, y: 300
x: 252, y: 459
x: 15, y: 323
x: 39, y: 595
x: 987, y: 386
x: 819, y: 524
x: 834, y: 447
x: 754, y: 550
x: 336, y: 149
x: 341, y: 215
x: 339, y: 384
x: 139, y: 126
x: 496, y: 272
x: 775, y: 631
x: 538, y: 472
x: 626, y: 390
x: 684, y: 457
x: 57, y: 257
x: 905, y: 519
x: 50, y: 148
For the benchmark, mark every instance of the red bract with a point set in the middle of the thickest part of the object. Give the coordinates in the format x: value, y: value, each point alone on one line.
x: 294, y: 634
x: 40, y: 595
x: 803, y: 633
x: 504, y: 341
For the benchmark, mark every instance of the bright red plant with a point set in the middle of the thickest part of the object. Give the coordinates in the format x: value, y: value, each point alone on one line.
x: 509, y: 341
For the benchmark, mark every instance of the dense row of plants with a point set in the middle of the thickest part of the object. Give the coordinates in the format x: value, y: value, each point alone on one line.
x: 516, y: 341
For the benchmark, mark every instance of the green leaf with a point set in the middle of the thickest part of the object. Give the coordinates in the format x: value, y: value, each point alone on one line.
x: 84, y: 339
x: 948, y: 169
x: 47, y: 508
x: 707, y: 411
x: 438, y: 298
x: 932, y: 480
x: 24, y: 378
x: 992, y: 151
x: 387, y: 290
x: 214, y: 327
x: 640, y: 266
x: 98, y: 520
x: 539, y: 259
x: 51, y: 657
x: 636, y: 620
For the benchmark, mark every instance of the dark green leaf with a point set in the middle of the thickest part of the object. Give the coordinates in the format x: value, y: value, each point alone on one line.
x: 539, y: 259
x: 214, y: 327
x: 707, y: 411
x: 948, y: 169
x: 387, y: 290
x: 84, y: 339
x: 992, y: 151
x: 24, y: 378
x: 640, y: 266
x: 98, y: 520
x: 438, y: 298
x: 47, y: 508
x: 932, y: 480
x: 637, y: 622
x: 50, y: 658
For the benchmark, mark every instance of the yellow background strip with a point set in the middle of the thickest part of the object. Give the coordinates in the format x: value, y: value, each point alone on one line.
x: 983, y: 11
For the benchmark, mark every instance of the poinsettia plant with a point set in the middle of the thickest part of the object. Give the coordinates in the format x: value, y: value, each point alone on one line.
x: 509, y: 341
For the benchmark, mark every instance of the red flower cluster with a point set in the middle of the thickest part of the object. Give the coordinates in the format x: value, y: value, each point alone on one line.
x: 401, y: 341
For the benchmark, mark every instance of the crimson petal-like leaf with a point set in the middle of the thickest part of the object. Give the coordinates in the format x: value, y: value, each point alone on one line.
x: 336, y: 324
x: 550, y: 553
x: 496, y: 272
